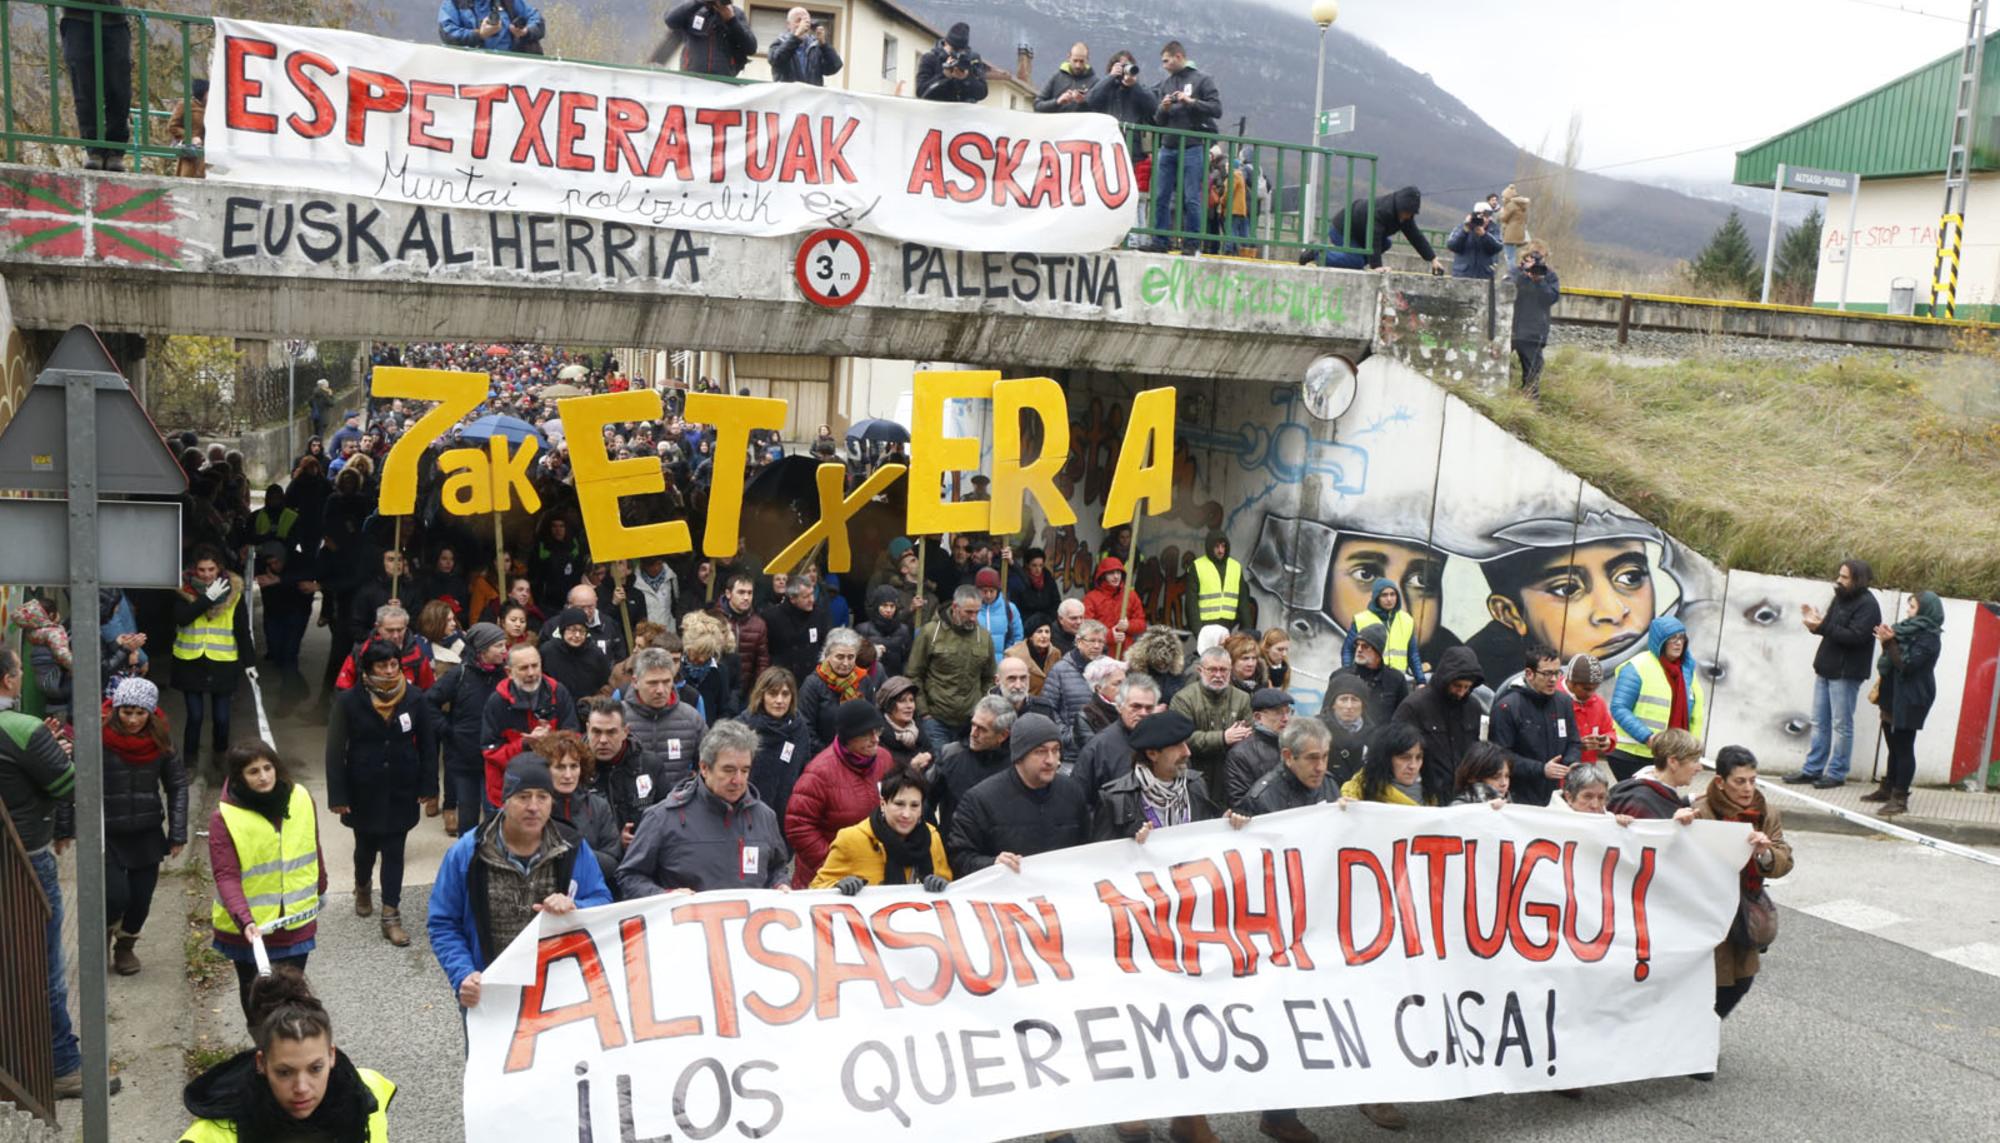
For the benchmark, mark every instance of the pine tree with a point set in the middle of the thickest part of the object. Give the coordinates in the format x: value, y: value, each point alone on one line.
x: 1792, y: 280
x: 1728, y: 265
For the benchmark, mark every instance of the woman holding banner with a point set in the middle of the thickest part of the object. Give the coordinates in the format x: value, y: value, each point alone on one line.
x: 1733, y: 797
x: 893, y: 846
x: 1393, y: 772
x: 263, y: 844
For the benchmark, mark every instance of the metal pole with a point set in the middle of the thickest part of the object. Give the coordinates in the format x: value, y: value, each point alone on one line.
x: 292, y: 399
x: 1312, y: 168
x: 1847, y: 240
x: 80, y: 399
x: 1771, y: 242
x: 1131, y: 578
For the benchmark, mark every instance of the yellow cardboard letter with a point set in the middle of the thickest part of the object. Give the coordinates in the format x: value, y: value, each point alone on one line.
x: 1013, y: 484
x: 510, y: 472
x: 834, y: 512
x: 1145, y: 460
x: 456, y: 394
x: 932, y: 454
x: 601, y: 481
x: 468, y: 486
x: 733, y: 418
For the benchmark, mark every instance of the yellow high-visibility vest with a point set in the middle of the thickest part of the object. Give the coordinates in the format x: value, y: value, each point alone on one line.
x: 1654, y: 705
x: 1217, y: 592
x: 1397, y: 655
x: 211, y: 636
x: 224, y: 1130
x: 280, y: 866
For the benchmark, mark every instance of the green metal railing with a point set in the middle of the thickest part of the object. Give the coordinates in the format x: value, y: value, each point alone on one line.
x: 31, y: 50
x: 1245, y: 216
x: 1239, y: 205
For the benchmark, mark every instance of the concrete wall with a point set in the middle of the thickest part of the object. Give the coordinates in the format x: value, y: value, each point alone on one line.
x: 1487, y: 539
x: 1895, y: 236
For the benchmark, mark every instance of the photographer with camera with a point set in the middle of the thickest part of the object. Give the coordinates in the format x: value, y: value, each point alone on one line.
x: 1474, y: 244
x: 803, y: 54
x: 492, y: 25
x: 1536, y: 290
x: 1120, y: 95
x: 952, y: 72
x: 716, y: 37
x: 1186, y: 100
x: 1069, y: 88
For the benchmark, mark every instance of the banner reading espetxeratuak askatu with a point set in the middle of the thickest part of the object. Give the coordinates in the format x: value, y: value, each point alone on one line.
x: 1321, y: 956
x: 360, y: 114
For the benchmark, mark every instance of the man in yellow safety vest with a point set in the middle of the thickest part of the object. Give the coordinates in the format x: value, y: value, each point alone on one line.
x: 1385, y: 609
x: 1217, y: 592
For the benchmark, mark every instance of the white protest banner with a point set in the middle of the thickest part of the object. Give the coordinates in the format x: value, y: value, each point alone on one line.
x: 357, y: 114
x: 1320, y: 956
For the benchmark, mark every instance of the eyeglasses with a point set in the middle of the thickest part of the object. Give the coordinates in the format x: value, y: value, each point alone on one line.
x: 1551, y: 673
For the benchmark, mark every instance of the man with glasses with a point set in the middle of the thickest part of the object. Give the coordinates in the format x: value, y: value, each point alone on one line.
x: 1534, y: 721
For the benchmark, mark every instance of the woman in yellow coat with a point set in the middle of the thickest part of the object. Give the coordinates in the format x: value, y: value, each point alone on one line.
x: 894, y: 846
x: 1394, y: 771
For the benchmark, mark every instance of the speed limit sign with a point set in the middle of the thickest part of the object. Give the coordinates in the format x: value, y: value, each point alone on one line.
x: 832, y: 267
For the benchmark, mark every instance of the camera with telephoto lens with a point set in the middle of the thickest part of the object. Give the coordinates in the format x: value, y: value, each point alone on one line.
x: 1122, y: 68
x: 960, y: 59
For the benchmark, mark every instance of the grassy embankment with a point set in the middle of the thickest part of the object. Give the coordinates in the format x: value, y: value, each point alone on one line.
x: 1789, y: 468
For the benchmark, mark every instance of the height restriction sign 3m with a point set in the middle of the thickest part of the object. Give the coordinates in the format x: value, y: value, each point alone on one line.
x: 832, y: 267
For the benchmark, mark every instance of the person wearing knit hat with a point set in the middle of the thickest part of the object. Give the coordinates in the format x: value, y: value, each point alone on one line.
x: 572, y: 658
x: 952, y: 72
x: 1032, y: 808
x: 145, y: 788
x: 1584, y: 679
x: 1000, y: 618
x: 525, y: 868
x: 1345, y: 715
x: 839, y: 787
x: 887, y: 627
x: 1387, y: 687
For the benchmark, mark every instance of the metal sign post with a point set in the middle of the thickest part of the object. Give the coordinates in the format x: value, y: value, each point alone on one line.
x: 81, y: 411
x: 1771, y: 240
x: 1812, y: 180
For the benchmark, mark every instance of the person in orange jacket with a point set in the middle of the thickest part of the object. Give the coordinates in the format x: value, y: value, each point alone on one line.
x: 1101, y: 603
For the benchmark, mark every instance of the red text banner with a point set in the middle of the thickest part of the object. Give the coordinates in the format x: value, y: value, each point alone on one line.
x: 1321, y: 956
x: 359, y: 114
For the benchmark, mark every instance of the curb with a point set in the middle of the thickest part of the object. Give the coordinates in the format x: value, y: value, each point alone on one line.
x: 1801, y: 817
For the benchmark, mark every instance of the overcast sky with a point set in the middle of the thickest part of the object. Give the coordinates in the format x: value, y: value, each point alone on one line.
x: 1653, y: 79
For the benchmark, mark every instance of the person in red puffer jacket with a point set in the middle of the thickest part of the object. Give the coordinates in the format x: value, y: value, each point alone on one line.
x: 518, y: 712
x: 1101, y: 603
x: 840, y: 786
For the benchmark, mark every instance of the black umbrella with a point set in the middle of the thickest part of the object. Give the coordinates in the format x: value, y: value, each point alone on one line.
x: 789, y: 481
x: 878, y: 430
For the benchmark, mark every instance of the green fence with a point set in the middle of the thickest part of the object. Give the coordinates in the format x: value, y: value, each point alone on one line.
x: 1252, y: 197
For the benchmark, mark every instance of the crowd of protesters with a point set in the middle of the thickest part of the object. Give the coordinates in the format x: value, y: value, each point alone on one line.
x: 672, y: 724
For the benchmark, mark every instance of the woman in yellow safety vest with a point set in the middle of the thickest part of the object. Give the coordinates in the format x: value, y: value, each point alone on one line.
x: 1653, y: 690
x: 211, y: 640
x: 1385, y: 605
x: 263, y: 846
x: 295, y: 1084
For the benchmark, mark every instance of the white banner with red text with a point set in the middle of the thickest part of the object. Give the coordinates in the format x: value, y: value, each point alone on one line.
x: 418, y: 123
x: 1317, y: 957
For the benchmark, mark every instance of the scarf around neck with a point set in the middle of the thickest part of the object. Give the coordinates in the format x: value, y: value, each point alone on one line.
x: 140, y: 749
x: 386, y: 701
x: 844, y: 687
x: 1165, y: 803
x: 1929, y: 618
x: 907, y: 859
x: 273, y: 805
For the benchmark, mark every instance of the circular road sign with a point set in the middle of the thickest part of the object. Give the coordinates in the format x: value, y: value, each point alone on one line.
x: 832, y: 267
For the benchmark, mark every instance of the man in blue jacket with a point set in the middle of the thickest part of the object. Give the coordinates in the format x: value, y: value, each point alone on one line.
x: 1474, y: 245
x: 492, y: 25
x: 496, y: 878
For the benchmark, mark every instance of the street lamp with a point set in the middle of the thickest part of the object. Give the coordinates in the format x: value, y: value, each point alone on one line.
x: 1324, y: 13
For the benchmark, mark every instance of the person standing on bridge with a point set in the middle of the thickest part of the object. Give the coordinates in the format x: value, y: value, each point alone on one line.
x: 804, y: 54
x: 952, y: 72
x: 1513, y: 223
x: 1846, y: 631
x: 492, y: 25
x: 1188, y: 104
x: 715, y: 38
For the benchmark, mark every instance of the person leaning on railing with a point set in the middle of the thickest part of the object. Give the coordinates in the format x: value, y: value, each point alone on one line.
x: 97, y: 47
x: 492, y: 25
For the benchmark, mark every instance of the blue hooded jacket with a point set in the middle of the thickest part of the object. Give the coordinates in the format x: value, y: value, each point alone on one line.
x: 1626, y: 690
x: 1375, y: 591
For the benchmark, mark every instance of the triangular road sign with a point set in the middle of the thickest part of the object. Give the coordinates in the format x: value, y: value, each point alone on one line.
x: 131, y: 457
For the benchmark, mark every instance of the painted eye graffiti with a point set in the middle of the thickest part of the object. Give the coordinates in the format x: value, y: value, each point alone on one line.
x: 1763, y: 613
x: 1797, y: 725
x: 1631, y: 578
x: 1567, y: 587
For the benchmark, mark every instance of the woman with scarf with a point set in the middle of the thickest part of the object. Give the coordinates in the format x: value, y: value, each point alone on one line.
x: 1274, y: 651
x: 294, y: 1084
x: 1733, y: 797
x: 894, y: 846
x: 1906, y: 689
x: 258, y: 838
x: 902, y: 737
x: 211, y: 647
x: 145, y: 789
x: 49, y: 655
x: 836, y: 680
x: 1037, y: 649
x: 1246, y: 662
x: 381, y: 763
x: 1484, y: 776
x: 1655, y: 792
x: 1393, y: 772
x: 578, y: 804
x: 837, y: 789
x: 708, y: 663
x: 784, y: 741
x: 1345, y: 713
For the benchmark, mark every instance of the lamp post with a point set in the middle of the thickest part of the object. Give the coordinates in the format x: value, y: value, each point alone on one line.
x: 1324, y: 13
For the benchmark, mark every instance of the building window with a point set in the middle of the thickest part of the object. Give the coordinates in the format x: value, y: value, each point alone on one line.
x: 888, y: 56
x: 768, y: 25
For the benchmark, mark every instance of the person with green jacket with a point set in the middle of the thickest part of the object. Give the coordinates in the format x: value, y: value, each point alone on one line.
x: 953, y: 665
x: 1221, y: 715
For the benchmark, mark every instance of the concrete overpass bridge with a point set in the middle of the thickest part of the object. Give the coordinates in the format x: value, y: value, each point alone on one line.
x: 146, y: 255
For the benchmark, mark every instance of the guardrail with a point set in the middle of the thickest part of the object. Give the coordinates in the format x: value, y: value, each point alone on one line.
x: 27, y: 1059
x: 119, y: 83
